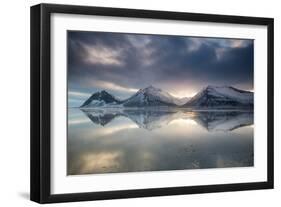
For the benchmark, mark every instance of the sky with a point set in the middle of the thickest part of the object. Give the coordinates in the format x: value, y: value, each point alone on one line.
x: 123, y: 63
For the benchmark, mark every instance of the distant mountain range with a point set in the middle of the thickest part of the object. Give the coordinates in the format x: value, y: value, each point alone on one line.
x: 209, y: 97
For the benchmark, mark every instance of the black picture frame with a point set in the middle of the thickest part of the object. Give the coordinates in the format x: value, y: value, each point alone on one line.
x: 41, y: 102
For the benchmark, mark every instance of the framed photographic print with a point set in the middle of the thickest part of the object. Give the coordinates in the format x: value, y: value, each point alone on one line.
x: 133, y: 103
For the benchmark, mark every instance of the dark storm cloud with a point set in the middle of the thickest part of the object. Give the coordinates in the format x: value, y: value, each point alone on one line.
x: 123, y: 63
x: 209, y: 62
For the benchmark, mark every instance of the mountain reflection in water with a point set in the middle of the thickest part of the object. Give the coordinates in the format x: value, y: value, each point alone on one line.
x: 151, y: 119
x: 132, y: 140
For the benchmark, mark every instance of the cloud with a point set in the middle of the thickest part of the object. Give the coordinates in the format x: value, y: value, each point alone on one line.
x: 112, y: 86
x: 239, y: 43
x: 143, y: 46
x: 193, y: 44
x: 78, y: 94
x: 98, y: 54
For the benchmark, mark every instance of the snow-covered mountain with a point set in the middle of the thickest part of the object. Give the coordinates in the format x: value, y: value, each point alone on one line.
x: 221, y: 97
x: 150, y: 96
x: 100, y: 99
x: 146, y: 97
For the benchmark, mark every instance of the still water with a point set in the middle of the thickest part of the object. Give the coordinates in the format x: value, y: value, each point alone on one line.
x: 133, y: 140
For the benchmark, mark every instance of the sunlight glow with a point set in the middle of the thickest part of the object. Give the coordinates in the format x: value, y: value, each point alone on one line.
x: 112, y: 86
x: 183, y: 94
x: 184, y: 122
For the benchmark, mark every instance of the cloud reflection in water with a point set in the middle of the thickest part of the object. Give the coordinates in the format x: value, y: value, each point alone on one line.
x: 153, y: 140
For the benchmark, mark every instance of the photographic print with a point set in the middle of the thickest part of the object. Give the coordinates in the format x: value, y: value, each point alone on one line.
x: 130, y: 103
x: 148, y: 102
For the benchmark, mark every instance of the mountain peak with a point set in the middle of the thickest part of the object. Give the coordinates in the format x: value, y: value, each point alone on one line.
x: 150, y: 96
x: 225, y: 87
x: 221, y: 96
x: 217, y: 87
x: 103, y: 92
x: 100, y: 98
x: 150, y: 90
x: 151, y: 87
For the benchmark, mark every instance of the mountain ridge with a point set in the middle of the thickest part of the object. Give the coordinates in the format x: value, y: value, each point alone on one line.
x: 208, y: 97
x: 221, y: 96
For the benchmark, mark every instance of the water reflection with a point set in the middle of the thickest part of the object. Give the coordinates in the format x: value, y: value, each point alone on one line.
x: 152, y: 119
x: 129, y: 140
